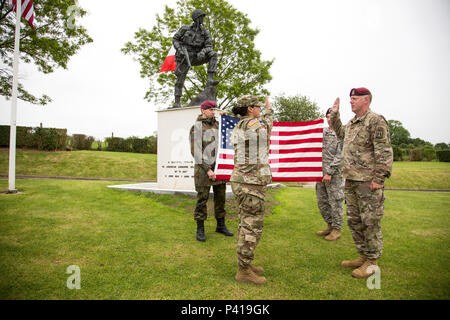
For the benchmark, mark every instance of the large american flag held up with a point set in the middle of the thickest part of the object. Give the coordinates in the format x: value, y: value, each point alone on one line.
x: 295, y: 152
x: 27, y: 10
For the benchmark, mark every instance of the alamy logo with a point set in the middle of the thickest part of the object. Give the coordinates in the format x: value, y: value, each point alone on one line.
x: 73, y: 281
x: 374, y: 281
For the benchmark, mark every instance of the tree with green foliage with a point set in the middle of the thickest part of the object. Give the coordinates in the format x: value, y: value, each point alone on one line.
x: 442, y: 146
x: 240, y: 68
x: 417, y: 142
x: 296, y: 108
x: 398, y: 133
x: 54, y: 39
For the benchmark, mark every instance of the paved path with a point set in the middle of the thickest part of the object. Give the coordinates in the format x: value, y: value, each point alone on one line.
x: 4, y: 176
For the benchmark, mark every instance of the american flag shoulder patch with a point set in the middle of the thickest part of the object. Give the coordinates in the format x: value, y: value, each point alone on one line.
x: 253, y: 122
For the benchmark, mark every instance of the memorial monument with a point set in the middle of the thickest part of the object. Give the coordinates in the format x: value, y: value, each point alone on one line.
x: 175, y: 164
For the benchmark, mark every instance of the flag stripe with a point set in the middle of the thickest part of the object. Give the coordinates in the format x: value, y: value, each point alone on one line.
x: 294, y: 133
x: 303, y: 159
x: 226, y: 156
x: 297, y: 169
x: 298, y: 141
x: 281, y: 148
x: 277, y: 175
x: 226, y: 166
x: 295, y: 179
x: 284, y: 151
x: 298, y: 124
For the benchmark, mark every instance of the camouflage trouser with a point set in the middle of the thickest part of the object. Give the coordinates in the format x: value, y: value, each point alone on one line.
x: 201, y: 212
x: 329, y: 201
x: 251, y: 199
x: 364, y: 212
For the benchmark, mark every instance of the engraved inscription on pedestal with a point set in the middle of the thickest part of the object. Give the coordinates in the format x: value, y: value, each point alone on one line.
x: 178, y: 169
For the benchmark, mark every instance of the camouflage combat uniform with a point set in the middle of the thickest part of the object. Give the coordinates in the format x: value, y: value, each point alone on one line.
x: 366, y: 156
x: 330, y: 195
x: 208, y: 129
x: 250, y: 176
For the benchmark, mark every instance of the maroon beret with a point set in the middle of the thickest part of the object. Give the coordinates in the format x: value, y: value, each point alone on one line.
x: 208, y: 104
x: 359, y: 92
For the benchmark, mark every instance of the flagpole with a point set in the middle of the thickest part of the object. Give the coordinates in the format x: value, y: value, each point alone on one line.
x: 12, y: 135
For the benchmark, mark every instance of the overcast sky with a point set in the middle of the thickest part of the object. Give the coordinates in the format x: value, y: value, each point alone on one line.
x: 399, y: 49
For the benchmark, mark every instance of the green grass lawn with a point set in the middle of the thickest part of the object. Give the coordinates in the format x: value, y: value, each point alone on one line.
x: 420, y: 175
x: 142, y: 246
x: 89, y: 164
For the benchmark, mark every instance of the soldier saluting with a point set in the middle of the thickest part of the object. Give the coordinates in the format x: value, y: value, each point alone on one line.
x: 366, y: 162
x: 193, y: 48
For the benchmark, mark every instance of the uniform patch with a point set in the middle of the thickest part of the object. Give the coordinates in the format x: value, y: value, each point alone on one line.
x: 380, y: 133
x: 253, y: 122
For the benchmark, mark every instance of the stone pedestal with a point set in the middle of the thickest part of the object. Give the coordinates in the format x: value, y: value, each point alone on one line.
x: 175, y: 162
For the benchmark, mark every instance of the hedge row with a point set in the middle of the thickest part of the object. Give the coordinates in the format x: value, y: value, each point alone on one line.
x: 132, y: 144
x: 443, y: 155
x: 49, y: 139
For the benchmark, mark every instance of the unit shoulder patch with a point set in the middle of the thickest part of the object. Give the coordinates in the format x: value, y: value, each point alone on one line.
x: 380, y: 133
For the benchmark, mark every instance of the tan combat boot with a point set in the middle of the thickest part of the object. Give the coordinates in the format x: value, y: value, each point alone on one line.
x: 257, y: 270
x: 325, y: 231
x: 334, y: 235
x: 246, y: 275
x: 368, y: 268
x: 354, y: 263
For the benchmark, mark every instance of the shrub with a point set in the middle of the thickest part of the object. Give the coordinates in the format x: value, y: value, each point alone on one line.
x: 416, y: 155
x: 118, y: 144
x: 82, y: 142
x: 139, y: 145
x: 443, y: 155
x: 99, y: 145
x: 397, y: 153
x: 429, y: 154
x: 25, y: 137
x: 50, y: 139
x: 153, y: 144
x: 4, y: 136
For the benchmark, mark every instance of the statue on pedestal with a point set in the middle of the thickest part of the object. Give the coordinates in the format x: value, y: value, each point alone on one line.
x: 193, y: 48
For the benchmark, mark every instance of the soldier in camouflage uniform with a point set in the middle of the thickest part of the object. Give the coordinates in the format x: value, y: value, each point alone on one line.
x: 330, y: 192
x: 367, y: 158
x: 195, y: 41
x: 250, y: 176
x: 204, y: 142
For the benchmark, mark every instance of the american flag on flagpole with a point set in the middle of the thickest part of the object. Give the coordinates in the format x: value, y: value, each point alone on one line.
x: 27, y: 10
x: 295, y: 152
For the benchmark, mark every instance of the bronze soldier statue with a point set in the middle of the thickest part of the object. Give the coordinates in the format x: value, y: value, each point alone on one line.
x: 193, y: 48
